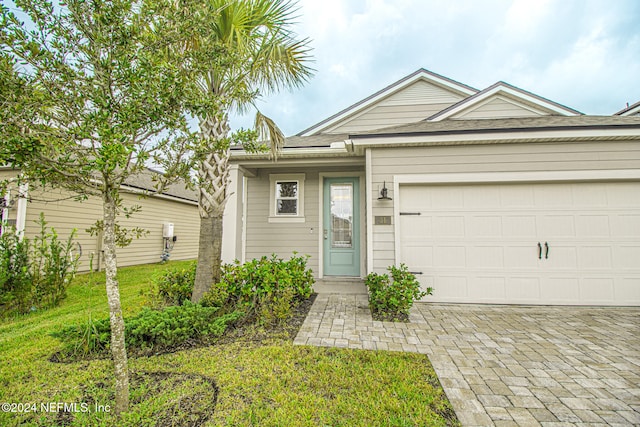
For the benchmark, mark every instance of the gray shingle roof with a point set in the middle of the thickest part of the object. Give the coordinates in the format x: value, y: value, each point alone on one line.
x: 144, y: 181
x: 492, y: 125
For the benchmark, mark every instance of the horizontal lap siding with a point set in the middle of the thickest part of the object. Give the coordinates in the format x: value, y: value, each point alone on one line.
x: 265, y: 238
x: 495, y: 109
x: 387, y: 162
x: 65, y: 214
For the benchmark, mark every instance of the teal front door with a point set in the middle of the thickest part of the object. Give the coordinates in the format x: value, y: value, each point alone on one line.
x: 341, y: 221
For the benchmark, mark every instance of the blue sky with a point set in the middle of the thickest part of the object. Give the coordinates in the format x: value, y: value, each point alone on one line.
x: 581, y: 53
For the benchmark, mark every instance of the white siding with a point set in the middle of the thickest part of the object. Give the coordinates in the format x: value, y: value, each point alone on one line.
x: 387, y: 162
x: 414, y: 103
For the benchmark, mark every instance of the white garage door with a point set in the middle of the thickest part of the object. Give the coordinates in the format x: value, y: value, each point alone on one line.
x: 555, y: 243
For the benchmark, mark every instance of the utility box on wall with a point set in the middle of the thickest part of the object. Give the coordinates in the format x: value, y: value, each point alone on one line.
x: 167, y: 230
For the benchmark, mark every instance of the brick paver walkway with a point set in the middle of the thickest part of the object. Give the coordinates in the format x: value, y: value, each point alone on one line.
x: 506, y: 366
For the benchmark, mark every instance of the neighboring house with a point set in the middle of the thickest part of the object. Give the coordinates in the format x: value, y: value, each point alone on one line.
x: 492, y: 196
x: 177, y: 206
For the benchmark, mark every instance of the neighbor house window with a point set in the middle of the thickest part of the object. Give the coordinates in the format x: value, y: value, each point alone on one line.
x: 287, y: 198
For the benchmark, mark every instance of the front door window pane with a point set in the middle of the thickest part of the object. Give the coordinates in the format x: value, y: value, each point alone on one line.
x: 342, y: 215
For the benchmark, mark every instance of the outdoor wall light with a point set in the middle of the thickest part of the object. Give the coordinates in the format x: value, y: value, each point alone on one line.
x: 384, y: 192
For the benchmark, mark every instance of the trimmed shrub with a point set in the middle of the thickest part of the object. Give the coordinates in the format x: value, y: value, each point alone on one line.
x: 392, y: 298
x: 174, y: 286
x: 266, y: 289
x: 149, y: 330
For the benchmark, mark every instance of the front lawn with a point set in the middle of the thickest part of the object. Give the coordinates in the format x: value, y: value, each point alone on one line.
x: 243, y: 382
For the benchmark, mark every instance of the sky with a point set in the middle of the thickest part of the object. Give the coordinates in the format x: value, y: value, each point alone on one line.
x: 584, y: 54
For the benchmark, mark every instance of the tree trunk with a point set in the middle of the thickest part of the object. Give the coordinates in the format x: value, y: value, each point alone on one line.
x: 213, y: 177
x: 118, y: 349
x: 209, y: 254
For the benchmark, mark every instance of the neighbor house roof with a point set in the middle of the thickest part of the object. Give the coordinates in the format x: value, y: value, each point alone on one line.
x: 144, y: 181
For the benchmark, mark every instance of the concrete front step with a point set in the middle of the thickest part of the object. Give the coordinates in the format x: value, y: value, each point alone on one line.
x: 340, y: 285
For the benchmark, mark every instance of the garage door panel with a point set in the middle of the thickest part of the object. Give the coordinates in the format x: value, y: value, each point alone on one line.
x: 556, y: 225
x: 516, y: 197
x: 521, y: 226
x: 597, y: 290
x: 479, y: 243
x: 486, y: 257
x: 523, y: 289
x: 485, y: 226
x: 594, y: 195
x: 419, y: 257
x: 553, y: 196
x: 593, y: 226
x: 416, y: 228
x: 595, y: 258
x: 521, y: 257
x: 448, y: 226
x: 565, y: 290
x: 625, y: 226
x: 449, y: 288
x: 627, y: 257
x: 628, y: 291
x: 487, y: 289
x: 482, y: 197
x: 447, y: 197
x: 450, y: 256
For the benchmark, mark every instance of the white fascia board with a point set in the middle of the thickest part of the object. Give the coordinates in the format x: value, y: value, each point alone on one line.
x: 501, y: 89
x: 518, y: 177
x: 390, y: 90
x: 497, y: 137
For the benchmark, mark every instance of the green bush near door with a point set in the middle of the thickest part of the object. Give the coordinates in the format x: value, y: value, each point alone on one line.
x: 391, y: 298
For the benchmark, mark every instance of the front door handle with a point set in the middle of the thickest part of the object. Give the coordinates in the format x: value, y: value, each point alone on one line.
x: 539, y: 251
x: 546, y: 250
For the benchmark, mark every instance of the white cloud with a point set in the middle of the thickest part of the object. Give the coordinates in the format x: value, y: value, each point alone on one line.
x: 582, y: 53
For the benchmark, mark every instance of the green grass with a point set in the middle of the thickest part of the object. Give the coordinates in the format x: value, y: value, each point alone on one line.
x: 234, y: 384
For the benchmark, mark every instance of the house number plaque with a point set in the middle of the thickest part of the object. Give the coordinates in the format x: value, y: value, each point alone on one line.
x: 382, y: 220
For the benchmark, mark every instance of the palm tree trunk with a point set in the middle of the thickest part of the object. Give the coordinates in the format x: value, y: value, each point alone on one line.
x: 213, y: 174
x: 118, y: 349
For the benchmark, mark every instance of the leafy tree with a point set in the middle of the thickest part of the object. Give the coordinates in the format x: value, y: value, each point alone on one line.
x: 88, y: 95
x: 245, y: 49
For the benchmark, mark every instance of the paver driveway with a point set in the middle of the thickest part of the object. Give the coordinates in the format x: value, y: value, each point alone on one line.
x: 506, y: 365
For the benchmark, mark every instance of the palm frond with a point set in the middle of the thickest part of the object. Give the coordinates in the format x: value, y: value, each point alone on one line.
x: 269, y: 131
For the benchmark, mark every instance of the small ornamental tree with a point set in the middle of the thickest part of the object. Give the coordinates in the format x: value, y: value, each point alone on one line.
x: 89, y: 93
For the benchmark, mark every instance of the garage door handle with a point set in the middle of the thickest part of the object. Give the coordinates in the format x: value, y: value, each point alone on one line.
x: 546, y: 250
x: 415, y: 272
x: 539, y: 251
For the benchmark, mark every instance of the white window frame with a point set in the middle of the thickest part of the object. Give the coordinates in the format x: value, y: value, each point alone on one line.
x: 274, y: 179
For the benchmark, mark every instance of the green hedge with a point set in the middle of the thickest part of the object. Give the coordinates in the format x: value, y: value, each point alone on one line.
x: 149, y: 330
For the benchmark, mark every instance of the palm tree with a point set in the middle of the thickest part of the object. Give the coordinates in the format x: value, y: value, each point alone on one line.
x: 247, y: 48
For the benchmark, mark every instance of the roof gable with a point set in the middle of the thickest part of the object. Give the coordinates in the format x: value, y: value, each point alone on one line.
x: 633, y: 110
x: 503, y: 100
x: 410, y: 99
